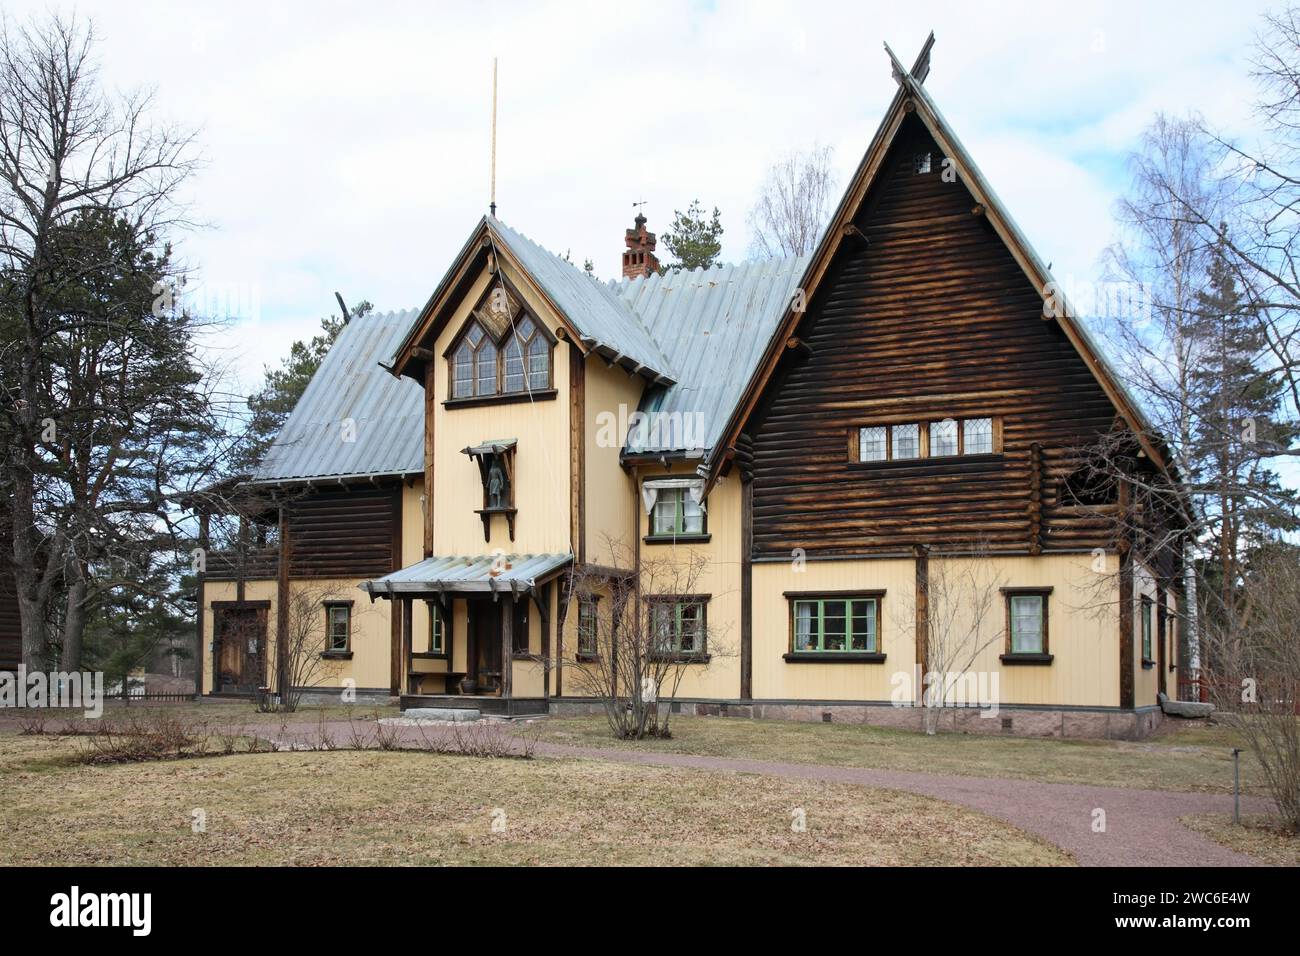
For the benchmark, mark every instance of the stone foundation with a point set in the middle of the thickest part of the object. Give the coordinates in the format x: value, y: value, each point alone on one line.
x: 1012, y: 721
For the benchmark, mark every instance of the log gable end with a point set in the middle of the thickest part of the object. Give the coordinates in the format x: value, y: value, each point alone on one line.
x: 925, y: 316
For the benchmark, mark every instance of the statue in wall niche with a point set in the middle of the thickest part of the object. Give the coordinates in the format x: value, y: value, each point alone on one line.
x: 498, y: 496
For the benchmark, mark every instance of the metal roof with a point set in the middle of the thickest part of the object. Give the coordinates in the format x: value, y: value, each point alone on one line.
x: 514, y: 572
x: 605, y: 320
x: 714, y: 325
x: 386, y: 413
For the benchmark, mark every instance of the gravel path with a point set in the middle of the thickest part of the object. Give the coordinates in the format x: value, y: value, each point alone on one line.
x: 1141, y: 826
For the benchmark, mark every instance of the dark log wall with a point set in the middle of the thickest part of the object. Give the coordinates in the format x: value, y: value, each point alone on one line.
x: 930, y: 318
x: 332, y: 534
x: 345, y: 534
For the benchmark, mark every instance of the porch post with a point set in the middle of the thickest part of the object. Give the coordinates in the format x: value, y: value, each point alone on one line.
x: 406, y: 643
x: 507, y: 644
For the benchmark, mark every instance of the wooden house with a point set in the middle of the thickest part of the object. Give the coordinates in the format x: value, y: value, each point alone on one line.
x: 839, y: 430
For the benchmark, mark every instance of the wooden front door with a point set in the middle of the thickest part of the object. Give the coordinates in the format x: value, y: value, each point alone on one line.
x: 240, y: 636
x: 484, y: 651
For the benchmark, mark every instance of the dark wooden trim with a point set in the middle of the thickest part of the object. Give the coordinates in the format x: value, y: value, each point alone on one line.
x: 746, y: 589
x: 507, y: 645
x: 1025, y: 658
x: 834, y: 594
x: 1127, y: 691
x: 282, y: 612
x: 506, y: 398
x: 1043, y: 592
x: 1162, y: 610
x: 578, y: 450
x: 548, y: 623
x: 833, y: 657
x: 921, y: 554
x: 199, y: 581
x: 336, y: 655
x: 677, y: 539
x: 430, y: 415
x: 258, y: 605
x: 408, y: 637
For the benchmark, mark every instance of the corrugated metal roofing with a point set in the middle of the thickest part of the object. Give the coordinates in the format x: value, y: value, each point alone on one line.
x: 469, y: 573
x: 595, y: 308
x: 714, y: 325
x: 386, y: 413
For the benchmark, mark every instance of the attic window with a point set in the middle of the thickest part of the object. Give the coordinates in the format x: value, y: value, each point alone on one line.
x: 502, y: 353
x: 920, y: 164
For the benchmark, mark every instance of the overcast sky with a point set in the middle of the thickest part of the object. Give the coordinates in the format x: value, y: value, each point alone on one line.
x: 346, y: 146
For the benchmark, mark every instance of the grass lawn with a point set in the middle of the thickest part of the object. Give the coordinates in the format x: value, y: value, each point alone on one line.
x: 1190, y: 758
x: 214, y: 712
x: 351, y: 807
x: 1256, y: 837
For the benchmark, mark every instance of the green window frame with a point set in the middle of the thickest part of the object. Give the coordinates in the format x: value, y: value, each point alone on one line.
x: 338, y: 627
x: 848, y: 624
x: 437, y: 630
x: 676, y: 513
x: 587, y: 627
x: 679, y: 624
x: 1147, y: 609
x: 1027, y: 619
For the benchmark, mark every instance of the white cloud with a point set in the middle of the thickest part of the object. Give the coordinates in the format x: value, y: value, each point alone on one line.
x: 347, y: 145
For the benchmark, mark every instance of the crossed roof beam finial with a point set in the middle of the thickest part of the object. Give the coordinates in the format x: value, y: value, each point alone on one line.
x: 920, y: 69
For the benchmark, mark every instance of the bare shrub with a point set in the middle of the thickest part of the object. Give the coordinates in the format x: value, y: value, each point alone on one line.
x: 325, y: 739
x: 481, y: 738
x: 159, y: 736
x: 32, y: 723
x: 645, y: 634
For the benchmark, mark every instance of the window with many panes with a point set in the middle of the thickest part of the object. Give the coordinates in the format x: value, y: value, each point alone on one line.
x: 1026, y: 621
x: 338, y: 628
x: 678, y: 625
x: 944, y: 438
x: 676, y: 513
x: 848, y: 624
x: 587, y: 625
x: 520, y: 365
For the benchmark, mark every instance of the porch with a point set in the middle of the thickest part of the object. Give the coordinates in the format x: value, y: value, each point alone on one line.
x: 487, y: 627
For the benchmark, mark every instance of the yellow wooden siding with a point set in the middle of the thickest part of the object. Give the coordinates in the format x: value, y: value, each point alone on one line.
x: 776, y: 679
x: 720, y: 579
x: 610, y: 516
x: 1083, y: 631
x: 541, y: 429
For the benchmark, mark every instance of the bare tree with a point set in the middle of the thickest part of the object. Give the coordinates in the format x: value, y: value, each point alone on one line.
x: 793, y: 204
x: 1253, y: 671
x: 73, y: 162
x: 962, y: 616
x: 639, y: 635
x: 303, y: 650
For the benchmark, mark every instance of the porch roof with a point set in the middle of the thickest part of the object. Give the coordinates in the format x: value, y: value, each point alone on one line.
x: 515, y: 573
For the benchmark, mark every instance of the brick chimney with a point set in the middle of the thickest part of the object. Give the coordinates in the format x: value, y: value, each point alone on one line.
x: 639, y: 260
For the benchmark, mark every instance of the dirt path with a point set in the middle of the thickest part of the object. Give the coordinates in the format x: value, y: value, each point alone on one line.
x: 1141, y: 826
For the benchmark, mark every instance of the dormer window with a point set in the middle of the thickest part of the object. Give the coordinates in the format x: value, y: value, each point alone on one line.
x: 501, y: 353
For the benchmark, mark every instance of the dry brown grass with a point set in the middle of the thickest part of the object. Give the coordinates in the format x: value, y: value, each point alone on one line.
x: 1260, y: 837
x: 1189, y: 758
x: 384, y: 808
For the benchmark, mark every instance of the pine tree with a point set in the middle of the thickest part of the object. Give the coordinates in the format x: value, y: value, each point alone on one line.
x: 694, y: 240
x: 1237, y: 410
